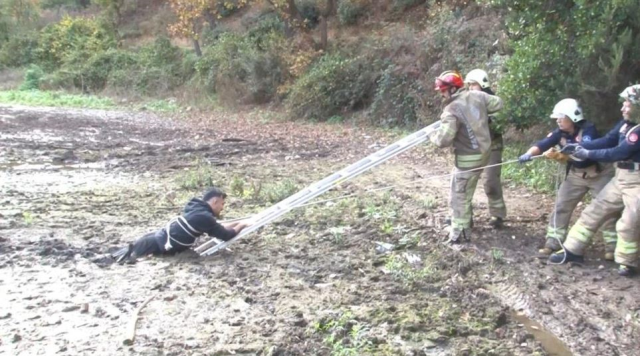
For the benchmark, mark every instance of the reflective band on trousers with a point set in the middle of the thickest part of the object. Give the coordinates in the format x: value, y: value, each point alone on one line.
x: 558, y: 233
x: 188, y: 228
x: 610, y: 236
x: 581, y: 233
x: 627, y: 247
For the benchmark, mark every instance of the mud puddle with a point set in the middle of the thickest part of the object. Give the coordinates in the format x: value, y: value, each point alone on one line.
x: 549, y: 342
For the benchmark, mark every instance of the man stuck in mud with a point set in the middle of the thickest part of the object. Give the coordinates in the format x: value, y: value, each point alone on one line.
x: 180, y: 233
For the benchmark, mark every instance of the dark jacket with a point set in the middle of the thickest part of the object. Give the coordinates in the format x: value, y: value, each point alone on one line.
x: 587, y: 132
x: 200, y: 220
x: 620, y: 144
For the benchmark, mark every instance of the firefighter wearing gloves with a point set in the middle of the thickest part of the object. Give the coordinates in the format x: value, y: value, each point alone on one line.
x: 465, y: 126
x: 582, y: 175
x: 478, y: 79
x: 622, y: 193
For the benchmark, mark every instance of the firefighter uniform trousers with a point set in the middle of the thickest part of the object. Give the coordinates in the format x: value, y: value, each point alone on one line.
x: 492, y: 183
x: 463, y: 186
x: 576, y: 185
x: 621, y: 194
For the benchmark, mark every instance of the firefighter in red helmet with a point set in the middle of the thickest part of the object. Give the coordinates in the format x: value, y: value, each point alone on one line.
x: 464, y: 124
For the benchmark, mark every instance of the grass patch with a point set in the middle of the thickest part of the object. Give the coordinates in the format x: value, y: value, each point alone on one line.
x: 161, y: 106
x: 198, y: 178
x: 49, y: 98
x: 345, y: 335
x: 541, y: 174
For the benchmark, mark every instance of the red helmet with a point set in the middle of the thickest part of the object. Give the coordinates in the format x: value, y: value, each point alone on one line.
x: 449, y: 79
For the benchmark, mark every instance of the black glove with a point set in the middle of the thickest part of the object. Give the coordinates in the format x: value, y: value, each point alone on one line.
x: 570, y: 148
x: 525, y: 158
x: 581, y: 153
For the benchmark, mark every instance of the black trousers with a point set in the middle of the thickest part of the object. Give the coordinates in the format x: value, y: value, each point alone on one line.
x: 150, y: 244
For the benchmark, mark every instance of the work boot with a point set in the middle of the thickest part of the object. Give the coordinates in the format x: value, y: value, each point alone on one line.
x: 626, y: 271
x: 565, y: 256
x: 496, y: 222
x: 609, y: 256
x: 447, y: 222
x: 457, y: 236
x: 544, y: 252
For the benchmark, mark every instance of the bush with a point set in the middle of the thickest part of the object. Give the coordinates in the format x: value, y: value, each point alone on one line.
x: 309, y: 11
x: 592, y: 59
x: 243, y: 69
x: 333, y: 85
x: 397, y: 99
x: 401, y: 5
x: 32, y: 78
x: 18, y: 51
x: 350, y: 11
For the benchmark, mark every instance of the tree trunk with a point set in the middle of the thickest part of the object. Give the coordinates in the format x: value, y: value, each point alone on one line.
x: 331, y: 4
x: 211, y: 20
x: 196, y: 47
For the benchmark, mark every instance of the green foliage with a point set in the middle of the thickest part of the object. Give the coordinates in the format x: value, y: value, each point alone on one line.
x: 333, y: 85
x: 581, y: 49
x: 409, y: 274
x: 402, y: 5
x: 162, y: 106
x: 309, y: 11
x: 350, y: 11
x: 345, y: 335
x: 397, y: 99
x: 46, y: 98
x: 542, y: 174
x: 32, y: 78
x: 198, y: 178
x: 71, y: 41
x: 18, y: 51
x: 243, y: 69
x: 278, y: 191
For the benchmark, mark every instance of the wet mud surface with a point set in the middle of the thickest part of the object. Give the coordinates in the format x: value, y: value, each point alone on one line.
x: 367, y: 275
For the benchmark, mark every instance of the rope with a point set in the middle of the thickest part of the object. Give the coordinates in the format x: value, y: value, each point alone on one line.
x: 555, y: 214
x: 389, y: 187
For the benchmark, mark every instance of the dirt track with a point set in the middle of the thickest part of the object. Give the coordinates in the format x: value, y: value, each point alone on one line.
x: 77, y: 183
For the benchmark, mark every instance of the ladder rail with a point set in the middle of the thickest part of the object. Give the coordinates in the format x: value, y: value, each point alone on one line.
x: 325, y: 184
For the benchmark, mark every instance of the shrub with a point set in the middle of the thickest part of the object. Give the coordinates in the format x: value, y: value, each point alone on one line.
x: 309, y: 11
x: 397, y: 99
x: 350, y: 11
x: 401, y: 5
x: 243, y: 69
x: 333, y: 85
x: 72, y: 40
x: 591, y: 59
x: 18, y: 50
x: 32, y: 78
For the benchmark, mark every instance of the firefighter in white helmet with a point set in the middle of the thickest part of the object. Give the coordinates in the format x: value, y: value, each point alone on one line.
x: 478, y: 79
x: 582, y: 176
x: 622, y: 193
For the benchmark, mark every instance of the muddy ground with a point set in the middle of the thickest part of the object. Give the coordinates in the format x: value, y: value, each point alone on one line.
x: 76, y: 184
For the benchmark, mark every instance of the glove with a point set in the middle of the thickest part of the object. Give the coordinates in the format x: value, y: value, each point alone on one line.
x: 525, y: 158
x: 570, y: 148
x: 581, y: 153
x: 555, y: 155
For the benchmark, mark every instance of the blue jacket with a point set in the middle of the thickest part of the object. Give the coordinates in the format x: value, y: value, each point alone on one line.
x: 620, y: 144
x: 589, y: 133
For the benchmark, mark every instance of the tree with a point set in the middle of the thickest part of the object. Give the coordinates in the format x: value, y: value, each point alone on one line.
x: 192, y: 13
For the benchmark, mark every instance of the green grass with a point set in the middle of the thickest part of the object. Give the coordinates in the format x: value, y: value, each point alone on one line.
x: 541, y: 174
x: 168, y: 106
x: 49, y: 98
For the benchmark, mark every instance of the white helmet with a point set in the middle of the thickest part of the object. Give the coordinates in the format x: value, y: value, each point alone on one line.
x: 632, y: 94
x: 478, y: 76
x: 569, y: 108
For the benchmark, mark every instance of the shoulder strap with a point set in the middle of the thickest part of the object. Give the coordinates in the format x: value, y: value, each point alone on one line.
x: 631, y: 130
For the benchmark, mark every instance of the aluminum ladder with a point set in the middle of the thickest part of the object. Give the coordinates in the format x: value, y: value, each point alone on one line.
x: 266, y: 216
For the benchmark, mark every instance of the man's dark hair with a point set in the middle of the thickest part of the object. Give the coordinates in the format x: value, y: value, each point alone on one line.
x: 214, y: 193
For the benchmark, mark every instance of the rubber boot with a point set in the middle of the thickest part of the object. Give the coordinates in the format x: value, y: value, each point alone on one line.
x: 458, y: 236
x: 627, y: 271
x: 544, y: 252
x: 560, y: 257
x: 609, y: 256
x: 496, y: 222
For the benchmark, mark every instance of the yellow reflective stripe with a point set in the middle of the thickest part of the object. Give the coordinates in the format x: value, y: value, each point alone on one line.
x: 469, y: 158
x: 558, y: 233
x: 581, y: 233
x: 627, y: 247
x: 609, y: 236
x: 461, y: 223
x: 496, y: 203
